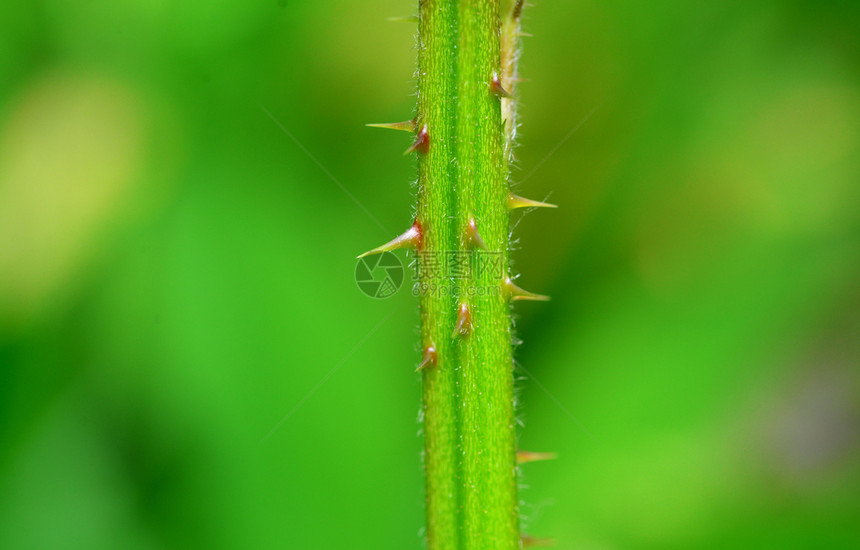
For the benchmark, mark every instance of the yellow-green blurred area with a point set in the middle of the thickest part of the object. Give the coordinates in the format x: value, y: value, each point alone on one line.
x: 185, y: 358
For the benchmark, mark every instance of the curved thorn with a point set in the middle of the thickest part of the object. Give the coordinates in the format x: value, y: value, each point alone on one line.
x: 464, y: 321
x: 515, y: 201
x: 422, y: 142
x: 524, y: 457
x: 516, y: 293
x: 496, y: 87
x: 403, y: 19
x: 429, y: 359
x: 410, y: 238
x: 406, y: 125
x: 472, y: 235
x: 527, y: 541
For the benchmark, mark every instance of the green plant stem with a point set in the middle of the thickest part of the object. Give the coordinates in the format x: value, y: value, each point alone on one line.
x: 469, y: 425
x: 489, y: 486
x: 436, y: 207
x: 464, y: 134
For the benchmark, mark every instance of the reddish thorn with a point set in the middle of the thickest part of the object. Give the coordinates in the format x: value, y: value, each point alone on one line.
x: 422, y: 142
x: 496, y: 87
x: 411, y: 237
x: 472, y: 235
x: 429, y: 359
x: 419, y: 235
x: 464, y: 321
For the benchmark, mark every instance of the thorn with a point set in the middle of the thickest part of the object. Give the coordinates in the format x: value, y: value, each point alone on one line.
x: 429, y: 359
x: 412, y: 237
x: 516, y: 293
x: 524, y: 457
x: 515, y: 201
x: 472, y: 235
x: 518, y: 9
x: 525, y: 34
x: 527, y: 541
x: 406, y: 125
x: 422, y: 142
x: 403, y: 19
x: 464, y: 321
x: 496, y: 87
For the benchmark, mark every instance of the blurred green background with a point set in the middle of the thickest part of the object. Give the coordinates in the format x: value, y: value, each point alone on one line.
x: 185, y: 359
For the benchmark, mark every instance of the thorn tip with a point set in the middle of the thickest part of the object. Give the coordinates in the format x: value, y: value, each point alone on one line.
x: 406, y: 125
x: 515, y: 201
x: 524, y: 457
x: 403, y: 19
